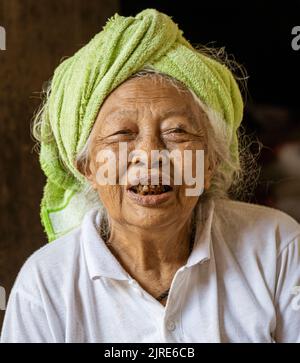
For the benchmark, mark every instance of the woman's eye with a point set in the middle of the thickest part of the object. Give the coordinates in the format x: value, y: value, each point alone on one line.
x: 176, y: 130
x: 123, y: 132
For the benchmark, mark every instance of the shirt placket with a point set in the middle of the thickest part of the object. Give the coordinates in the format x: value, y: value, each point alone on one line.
x: 168, y: 318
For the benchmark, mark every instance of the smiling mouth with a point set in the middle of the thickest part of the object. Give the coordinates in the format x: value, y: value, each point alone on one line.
x: 150, y: 189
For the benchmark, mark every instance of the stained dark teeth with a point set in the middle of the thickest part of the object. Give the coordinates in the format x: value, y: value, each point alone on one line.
x: 150, y: 189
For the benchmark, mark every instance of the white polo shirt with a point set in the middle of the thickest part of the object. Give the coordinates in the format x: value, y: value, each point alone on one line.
x: 241, y: 283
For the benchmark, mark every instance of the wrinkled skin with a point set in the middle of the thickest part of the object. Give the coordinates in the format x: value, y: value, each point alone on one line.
x: 151, y: 243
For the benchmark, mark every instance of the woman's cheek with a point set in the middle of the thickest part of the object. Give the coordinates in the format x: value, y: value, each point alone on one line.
x: 110, y: 195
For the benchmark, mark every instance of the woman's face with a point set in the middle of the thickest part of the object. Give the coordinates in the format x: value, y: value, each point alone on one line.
x: 147, y: 115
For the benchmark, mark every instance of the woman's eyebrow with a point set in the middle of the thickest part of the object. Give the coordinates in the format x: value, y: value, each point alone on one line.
x: 177, y: 112
x: 183, y: 112
x: 121, y: 113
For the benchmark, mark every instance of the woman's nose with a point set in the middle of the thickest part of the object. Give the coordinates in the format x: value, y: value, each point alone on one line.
x: 147, y: 144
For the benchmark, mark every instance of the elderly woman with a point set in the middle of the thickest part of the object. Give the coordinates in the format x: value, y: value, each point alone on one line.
x: 141, y: 261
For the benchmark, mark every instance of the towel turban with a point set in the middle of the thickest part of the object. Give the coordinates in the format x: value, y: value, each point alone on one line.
x: 82, y: 82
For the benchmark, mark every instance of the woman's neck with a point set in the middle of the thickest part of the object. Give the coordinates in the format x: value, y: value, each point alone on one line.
x: 151, y: 255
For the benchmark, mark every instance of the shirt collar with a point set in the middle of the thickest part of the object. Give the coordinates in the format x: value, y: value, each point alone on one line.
x: 99, y: 259
x: 101, y: 262
x: 202, y: 244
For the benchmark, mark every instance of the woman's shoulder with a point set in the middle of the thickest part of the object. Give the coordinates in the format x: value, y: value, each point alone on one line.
x: 259, y: 221
x: 58, y: 250
x: 240, y: 207
x: 50, y: 265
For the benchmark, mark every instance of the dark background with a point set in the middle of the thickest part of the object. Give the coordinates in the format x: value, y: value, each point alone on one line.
x: 40, y: 33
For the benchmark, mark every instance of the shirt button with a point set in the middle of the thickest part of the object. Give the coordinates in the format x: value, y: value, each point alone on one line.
x: 133, y: 282
x: 171, y: 325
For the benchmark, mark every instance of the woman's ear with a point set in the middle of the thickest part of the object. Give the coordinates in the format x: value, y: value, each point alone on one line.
x: 85, y: 167
x: 81, y: 166
x: 209, y: 170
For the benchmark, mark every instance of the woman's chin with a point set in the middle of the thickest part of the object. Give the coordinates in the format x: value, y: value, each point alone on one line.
x: 152, y: 220
x: 151, y: 201
x: 150, y: 212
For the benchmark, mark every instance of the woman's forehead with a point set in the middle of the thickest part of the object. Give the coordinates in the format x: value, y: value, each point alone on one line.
x: 161, y: 114
x: 139, y: 93
x: 148, y: 88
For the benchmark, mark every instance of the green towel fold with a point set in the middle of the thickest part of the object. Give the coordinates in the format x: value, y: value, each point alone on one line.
x: 81, y: 83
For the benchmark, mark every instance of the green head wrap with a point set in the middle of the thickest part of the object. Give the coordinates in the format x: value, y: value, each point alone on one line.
x: 81, y: 83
